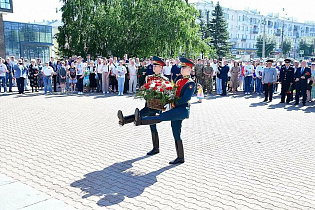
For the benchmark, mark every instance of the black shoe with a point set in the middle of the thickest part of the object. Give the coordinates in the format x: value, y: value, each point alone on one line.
x: 288, y: 102
x: 154, y: 151
x: 125, y: 120
x: 270, y: 101
x: 121, y: 118
x: 180, y: 153
x: 303, y: 104
x: 296, y: 103
x: 156, y: 144
x: 281, y: 102
x: 177, y: 161
x: 265, y: 100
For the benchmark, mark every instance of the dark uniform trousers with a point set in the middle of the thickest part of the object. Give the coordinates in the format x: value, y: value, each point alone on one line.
x: 146, y: 112
x: 301, y: 87
x: 285, y: 85
x: 20, y: 84
x: 268, y: 91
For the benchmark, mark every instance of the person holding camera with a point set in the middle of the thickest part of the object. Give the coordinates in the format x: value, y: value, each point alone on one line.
x: 20, y: 75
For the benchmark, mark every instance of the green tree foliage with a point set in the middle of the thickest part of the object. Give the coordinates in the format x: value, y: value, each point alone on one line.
x: 307, y: 44
x: 204, y: 41
x: 287, y: 46
x: 270, y: 44
x: 136, y: 27
x: 218, y: 32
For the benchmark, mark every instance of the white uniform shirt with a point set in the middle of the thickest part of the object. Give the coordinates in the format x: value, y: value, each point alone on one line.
x: 132, y: 70
x: 105, y: 68
x: 260, y: 71
x: 113, y: 68
x: 215, y: 68
x: 249, y: 69
x: 47, y: 70
x: 167, y: 70
x: 2, y: 70
x: 99, y: 68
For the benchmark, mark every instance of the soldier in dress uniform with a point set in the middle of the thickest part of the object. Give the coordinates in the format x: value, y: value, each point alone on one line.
x: 180, y: 111
x: 286, y: 80
x: 157, y: 68
x: 199, y: 72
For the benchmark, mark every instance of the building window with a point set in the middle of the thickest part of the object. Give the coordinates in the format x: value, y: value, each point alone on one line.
x: 5, y: 4
x: 27, y: 40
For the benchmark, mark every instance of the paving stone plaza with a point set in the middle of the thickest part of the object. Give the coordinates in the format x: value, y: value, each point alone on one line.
x: 68, y: 152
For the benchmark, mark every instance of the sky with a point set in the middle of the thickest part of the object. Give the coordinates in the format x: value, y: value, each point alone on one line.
x: 32, y: 10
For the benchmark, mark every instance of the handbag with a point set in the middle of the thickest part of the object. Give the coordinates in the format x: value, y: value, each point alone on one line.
x: 96, y: 76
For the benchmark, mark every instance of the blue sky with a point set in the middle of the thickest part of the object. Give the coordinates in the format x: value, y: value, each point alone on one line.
x: 46, y: 9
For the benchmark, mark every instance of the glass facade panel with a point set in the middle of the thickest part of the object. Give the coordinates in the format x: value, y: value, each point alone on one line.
x: 6, y: 5
x: 27, y: 40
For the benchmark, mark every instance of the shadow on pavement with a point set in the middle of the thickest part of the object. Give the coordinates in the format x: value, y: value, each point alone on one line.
x: 114, y: 183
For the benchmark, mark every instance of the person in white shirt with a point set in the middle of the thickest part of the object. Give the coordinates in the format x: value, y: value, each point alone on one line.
x: 3, y: 72
x: 133, y: 72
x: 99, y: 71
x: 105, y: 77
x: 248, y: 71
x: 80, y: 74
x: 47, y: 72
x: 167, y: 70
x: 259, y: 72
x: 120, y: 74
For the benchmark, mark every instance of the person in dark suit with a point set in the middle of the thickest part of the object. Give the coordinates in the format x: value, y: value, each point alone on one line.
x: 286, y: 80
x: 150, y: 68
x: 176, y: 71
x: 302, y: 74
x: 224, y: 76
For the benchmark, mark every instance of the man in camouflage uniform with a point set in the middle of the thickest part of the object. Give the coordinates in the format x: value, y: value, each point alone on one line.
x: 208, y: 73
x: 199, y: 72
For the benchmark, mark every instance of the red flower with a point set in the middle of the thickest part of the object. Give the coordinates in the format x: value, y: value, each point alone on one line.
x: 169, y: 88
x: 155, y: 88
x: 307, y: 74
x: 146, y: 86
x: 167, y: 82
x: 161, y: 90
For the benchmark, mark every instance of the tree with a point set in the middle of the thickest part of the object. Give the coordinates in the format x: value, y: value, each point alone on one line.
x: 287, y: 46
x: 218, y: 32
x: 307, y: 44
x: 136, y: 27
x: 270, y: 44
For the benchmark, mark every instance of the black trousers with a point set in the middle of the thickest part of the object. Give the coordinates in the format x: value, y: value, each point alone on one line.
x: 55, y: 82
x: 300, y: 90
x: 224, y: 83
x: 268, y: 91
x: 20, y: 84
x: 284, y: 89
x: 79, y: 83
x: 113, y: 82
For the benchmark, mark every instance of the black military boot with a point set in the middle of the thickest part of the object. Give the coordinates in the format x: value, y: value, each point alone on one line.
x: 125, y: 120
x: 155, y: 141
x: 180, y: 153
x: 139, y: 121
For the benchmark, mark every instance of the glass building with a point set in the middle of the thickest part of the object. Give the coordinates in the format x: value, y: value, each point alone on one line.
x: 27, y: 40
x: 6, y: 6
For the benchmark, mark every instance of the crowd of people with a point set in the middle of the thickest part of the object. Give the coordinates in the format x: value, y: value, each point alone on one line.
x: 114, y: 75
